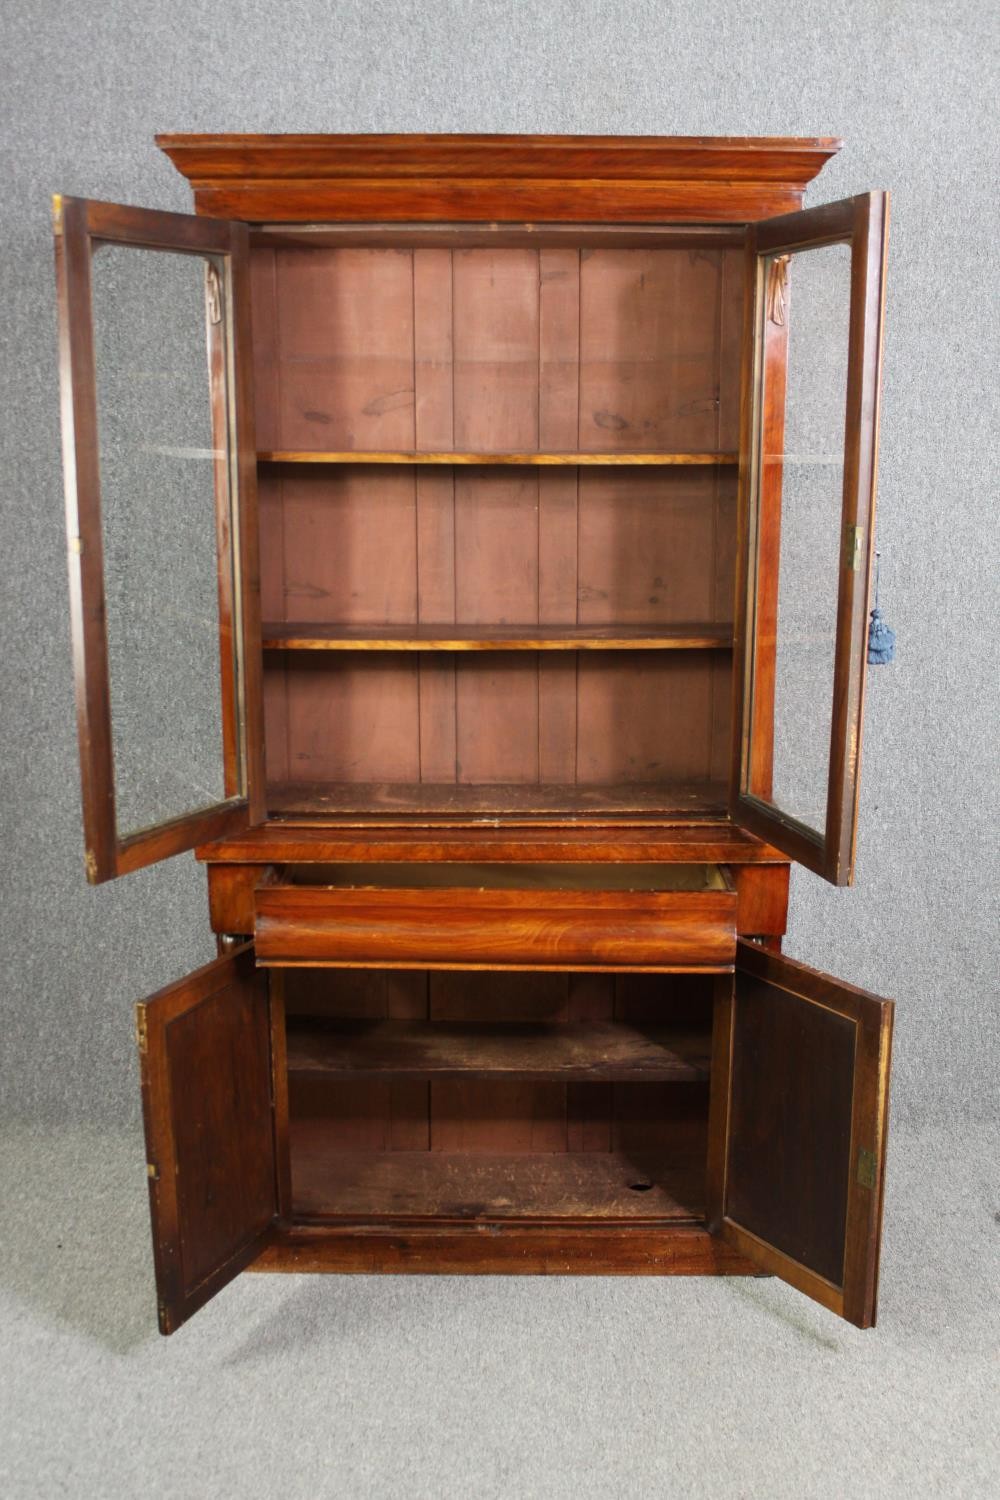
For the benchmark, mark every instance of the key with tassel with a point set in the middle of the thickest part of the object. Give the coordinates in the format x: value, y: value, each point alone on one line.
x: 881, y: 637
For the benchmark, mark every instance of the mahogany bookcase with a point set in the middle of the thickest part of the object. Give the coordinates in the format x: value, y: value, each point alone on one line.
x: 470, y: 541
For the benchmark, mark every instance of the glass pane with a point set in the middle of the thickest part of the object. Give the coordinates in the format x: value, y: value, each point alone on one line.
x: 802, y: 469
x: 157, y: 452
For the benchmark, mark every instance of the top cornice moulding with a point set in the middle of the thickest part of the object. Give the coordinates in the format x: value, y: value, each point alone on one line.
x: 744, y: 158
x: 496, y: 177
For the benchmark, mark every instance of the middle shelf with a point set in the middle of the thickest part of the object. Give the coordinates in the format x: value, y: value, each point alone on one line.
x: 558, y: 1052
x: 309, y: 636
x: 531, y: 458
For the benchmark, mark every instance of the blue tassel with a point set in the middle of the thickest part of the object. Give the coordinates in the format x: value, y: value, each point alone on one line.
x: 881, y: 640
x: 881, y: 637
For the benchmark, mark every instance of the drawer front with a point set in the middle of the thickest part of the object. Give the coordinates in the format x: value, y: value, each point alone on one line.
x: 497, y: 928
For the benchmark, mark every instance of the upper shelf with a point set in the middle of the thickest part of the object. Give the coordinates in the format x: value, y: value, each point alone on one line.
x: 570, y: 460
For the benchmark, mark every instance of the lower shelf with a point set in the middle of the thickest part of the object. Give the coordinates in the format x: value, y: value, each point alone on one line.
x: 563, y: 1052
x: 454, y: 799
x: 555, y: 1187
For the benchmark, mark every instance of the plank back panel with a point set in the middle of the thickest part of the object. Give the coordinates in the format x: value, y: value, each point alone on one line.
x: 370, y: 1115
x: 496, y: 323
x: 649, y: 374
x: 497, y: 1116
x: 358, y: 719
x: 348, y: 546
x: 345, y: 348
x: 650, y: 546
x: 643, y: 718
x: 491, y: 349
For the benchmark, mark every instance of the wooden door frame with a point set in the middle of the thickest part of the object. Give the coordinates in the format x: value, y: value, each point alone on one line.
x: 80, y: 224
x: 179, y: 1296
x: 855, y: 1298
x: 862, y: 223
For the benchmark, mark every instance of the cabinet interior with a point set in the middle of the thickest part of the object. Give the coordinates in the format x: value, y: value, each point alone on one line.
x: 483, y: 1095
x: 471, y: 634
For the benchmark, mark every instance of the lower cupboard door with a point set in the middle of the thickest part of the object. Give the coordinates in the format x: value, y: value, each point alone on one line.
x: 205, y: 1055
x: 800, y: 1090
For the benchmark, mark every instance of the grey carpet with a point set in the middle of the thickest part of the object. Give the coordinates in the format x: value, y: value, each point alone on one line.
x: 459, y: 1387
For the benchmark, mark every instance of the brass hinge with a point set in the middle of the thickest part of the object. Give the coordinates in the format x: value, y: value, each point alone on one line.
x: 90, y: 865
x: 141, y: 1029
x: 57, y: 213
x: 152, y: 1171
x: 853, y: 542
x: 866, y: 1168
x: 213, y: 294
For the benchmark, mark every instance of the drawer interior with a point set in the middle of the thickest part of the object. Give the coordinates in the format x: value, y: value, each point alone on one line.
x: 421, y: 1095
x: 512, y: 877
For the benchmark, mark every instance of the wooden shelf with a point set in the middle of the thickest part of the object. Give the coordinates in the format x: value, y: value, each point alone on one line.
x: 500, y: 800
x: 367, y: 1185
x: 307, y: 636
x: 569, y: 460
x: 288, y: 841
x: 567, y: 1052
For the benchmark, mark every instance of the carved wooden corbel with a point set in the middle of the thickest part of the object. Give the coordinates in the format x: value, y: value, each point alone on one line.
x: 777, y: 282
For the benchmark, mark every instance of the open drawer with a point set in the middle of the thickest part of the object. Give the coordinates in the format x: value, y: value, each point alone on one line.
x: 657, y: 917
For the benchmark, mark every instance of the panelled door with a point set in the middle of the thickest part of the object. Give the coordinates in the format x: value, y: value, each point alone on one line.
x: 160, y: 477
x: 808, y: 447
x: 210, y: 1076
x: 800, y: 1093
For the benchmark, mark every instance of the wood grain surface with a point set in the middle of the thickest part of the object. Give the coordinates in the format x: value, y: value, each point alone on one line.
x: 478, y: 177
x: 462, y: 926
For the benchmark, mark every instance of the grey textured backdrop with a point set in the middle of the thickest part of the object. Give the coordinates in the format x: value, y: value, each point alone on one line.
x: 84, y: 88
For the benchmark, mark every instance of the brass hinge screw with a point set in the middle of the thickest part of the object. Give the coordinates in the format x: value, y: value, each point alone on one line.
x: 866, y: 1168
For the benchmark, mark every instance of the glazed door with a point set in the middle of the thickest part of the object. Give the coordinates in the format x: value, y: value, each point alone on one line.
x: 205, y: 1051
x: 807, y: 505
x: 160, y: 476
x: 800, y: 1088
